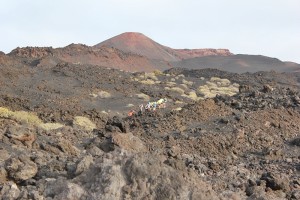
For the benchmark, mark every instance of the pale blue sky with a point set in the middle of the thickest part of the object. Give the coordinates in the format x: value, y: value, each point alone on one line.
x: 265, y: 27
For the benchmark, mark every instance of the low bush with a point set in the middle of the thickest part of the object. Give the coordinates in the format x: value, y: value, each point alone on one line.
x: 191, y: 95
x: 93, y: 95
x: 157, y: 72
x: 220, y: 81
x: 104, y: 95
x: 177, y: 109
x: 184, y: 86
x: 148, y: 82
x: 28, y: 118
x: 104, y: 112
x: 5, y: 113
x: 177, y: 89
x: 143, y: 96
x: 84, y: 123
x: 129, y: 105
x: 218, y: 86
x: 189, y: 83
x: 150, y: 75
x: 51, y: 126
x: 170, y: 84
x: 178, y: 102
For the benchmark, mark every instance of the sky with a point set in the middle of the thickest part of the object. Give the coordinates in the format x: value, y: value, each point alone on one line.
x: 258, y: 27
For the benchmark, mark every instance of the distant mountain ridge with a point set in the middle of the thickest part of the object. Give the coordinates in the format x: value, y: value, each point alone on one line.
x: 136, y: 52
x: 239, y: 63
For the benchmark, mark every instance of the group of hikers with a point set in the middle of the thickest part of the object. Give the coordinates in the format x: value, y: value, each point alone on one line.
x: 149, y: 107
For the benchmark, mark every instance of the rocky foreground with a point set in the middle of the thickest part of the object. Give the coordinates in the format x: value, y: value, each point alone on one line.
x: 222, y: 135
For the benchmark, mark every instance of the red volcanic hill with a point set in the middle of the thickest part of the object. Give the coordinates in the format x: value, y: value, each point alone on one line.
x: 136, y: 52
x: 140, y: 44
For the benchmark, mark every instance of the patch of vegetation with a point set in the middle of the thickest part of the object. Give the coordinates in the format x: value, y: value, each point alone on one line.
x: 150, y: 75
x: 148, y: 82
x: 157, y: 72
x: 93, y: 95
x: 170, y: 84
x: 177, y: 109
x: 218, y: 86
x: 104, y: 112
x: 84, y: 123
x: 184, y: 86
x: 28, y: 118
x: 104, y: 95
x: 51, y: 126
x: 192, y: 95
x: 143, y: 96
x: 177, y: 89
x: 189, y: 83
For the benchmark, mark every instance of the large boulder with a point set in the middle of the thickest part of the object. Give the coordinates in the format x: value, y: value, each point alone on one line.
x: 117, y: 124
x: 84, y: 164
x: 128, y: 142
x: 21, y: 168
x: 9, y: 191
x: 122, y: 175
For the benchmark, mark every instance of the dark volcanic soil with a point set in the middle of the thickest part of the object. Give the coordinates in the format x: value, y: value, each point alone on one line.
x: 244, y: 146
